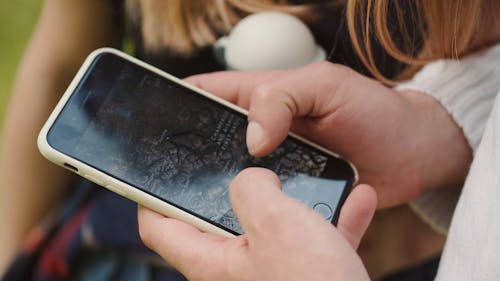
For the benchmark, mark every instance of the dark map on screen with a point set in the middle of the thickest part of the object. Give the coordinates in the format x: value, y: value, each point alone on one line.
x: 173, y: 144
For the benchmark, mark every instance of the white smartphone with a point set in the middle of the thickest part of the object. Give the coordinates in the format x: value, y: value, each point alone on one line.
x: 174, y: 148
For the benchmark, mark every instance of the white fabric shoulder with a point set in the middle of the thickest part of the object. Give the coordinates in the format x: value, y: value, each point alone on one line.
x: 472, y: 248
x: 466, y: 88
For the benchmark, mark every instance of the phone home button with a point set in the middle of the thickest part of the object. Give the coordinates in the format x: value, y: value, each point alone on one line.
x: 324, y: 210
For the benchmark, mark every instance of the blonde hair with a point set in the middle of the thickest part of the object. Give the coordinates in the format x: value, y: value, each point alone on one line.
x: 184, y: 26
x: 426, y: 29
x: 440, y: 29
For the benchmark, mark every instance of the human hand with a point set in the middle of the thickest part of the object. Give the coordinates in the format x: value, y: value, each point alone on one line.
x: 403, y: 139
x: 283, y: 239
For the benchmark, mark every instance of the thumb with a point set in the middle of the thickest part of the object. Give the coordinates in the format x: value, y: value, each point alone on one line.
x: 357, y: 213
x: 269, y: 120
x: 273, y: 106
x: 309, y: 92
x: 255, y: 195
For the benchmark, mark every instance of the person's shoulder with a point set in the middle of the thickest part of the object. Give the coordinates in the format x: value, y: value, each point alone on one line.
x: 488, y: 55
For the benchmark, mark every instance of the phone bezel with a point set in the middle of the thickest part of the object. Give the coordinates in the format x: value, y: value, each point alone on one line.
x: 122, y: 188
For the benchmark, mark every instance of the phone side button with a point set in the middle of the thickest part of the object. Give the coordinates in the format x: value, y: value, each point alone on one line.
x: 116, y: 190
x: 92, y: 179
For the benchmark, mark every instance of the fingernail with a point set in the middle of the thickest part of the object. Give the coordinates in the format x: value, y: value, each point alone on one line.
x: 255, y: 137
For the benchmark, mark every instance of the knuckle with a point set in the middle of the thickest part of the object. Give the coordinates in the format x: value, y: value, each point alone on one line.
x: 323, y: 66
x: 341, y: 71
x: 332, y: 69
x: 264, y: 91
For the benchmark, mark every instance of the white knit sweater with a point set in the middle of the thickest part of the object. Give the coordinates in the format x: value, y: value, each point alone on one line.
x: 466, y: 88
x: 472, y: 250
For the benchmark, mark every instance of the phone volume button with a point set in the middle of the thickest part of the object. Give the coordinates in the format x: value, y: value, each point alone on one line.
x: 92, y: 179
x: 116, y: 190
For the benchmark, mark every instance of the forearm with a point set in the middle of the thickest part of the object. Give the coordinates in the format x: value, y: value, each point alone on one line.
x: 444, y: 149
x: 30, y: 185
x: 465, y: 89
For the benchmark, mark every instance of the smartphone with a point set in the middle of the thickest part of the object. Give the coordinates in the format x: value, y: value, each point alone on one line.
x: 174, y: 148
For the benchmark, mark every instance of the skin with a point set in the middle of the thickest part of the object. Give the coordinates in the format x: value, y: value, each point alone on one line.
x: 50, y: 61
x: 47, y: 75
x: 276, y: 245
x: 377, y: 128
x: 403, y: 143
x: 396, y: 123
x: 380, y: 130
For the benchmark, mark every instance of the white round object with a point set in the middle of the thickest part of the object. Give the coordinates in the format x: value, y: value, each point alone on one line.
x: 270, y: 40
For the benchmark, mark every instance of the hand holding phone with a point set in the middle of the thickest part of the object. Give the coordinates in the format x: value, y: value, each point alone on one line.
x: 394, y: 138
x: 174, y: 148
x: 276, y: 247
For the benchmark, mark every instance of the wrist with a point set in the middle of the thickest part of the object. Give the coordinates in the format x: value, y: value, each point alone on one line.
x: 444, y: 155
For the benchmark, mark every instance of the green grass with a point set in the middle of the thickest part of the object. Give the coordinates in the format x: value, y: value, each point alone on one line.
x: 17, y: 20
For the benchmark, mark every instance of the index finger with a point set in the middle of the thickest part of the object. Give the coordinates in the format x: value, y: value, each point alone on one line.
x: 179, y: 243
x: 233, y: 86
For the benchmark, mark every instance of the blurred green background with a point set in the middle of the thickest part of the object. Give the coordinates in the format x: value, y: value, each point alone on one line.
x: 17, y: 20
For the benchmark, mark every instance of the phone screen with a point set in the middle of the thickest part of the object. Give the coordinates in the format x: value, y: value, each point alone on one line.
x: 184, y: 148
